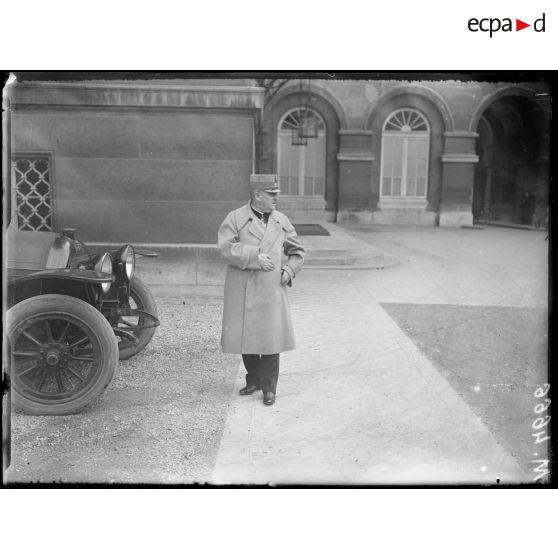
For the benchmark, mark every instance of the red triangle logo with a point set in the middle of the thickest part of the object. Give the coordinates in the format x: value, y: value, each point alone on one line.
x: 519, y: 25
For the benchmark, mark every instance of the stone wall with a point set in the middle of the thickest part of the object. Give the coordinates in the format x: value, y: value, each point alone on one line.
x: 163, y: 162
x: 140, y: 163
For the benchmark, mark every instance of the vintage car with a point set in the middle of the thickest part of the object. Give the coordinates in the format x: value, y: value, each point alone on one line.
x: 72, y: 313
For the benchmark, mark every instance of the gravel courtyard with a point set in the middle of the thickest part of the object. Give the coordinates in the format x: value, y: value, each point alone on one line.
x: 159, y: 421
x: 469, y: 306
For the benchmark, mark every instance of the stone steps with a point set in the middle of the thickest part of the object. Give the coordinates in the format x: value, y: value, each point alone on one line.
x: 340, y: 250
x: 190, y: 264
x: 317, y: 260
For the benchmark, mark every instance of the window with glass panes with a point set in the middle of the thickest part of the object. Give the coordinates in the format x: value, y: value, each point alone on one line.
x: 405, y: 146
x: 301, y: 168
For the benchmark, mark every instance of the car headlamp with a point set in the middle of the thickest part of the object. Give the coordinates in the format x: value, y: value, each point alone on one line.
x: 104, y: 265
x: 128, y: 259
x: 124, y: 261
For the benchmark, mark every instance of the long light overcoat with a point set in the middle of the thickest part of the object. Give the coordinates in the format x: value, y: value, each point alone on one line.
x: 256, y: 314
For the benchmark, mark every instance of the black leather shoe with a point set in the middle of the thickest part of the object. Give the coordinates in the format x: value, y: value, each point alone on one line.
x: 269, y: 398
x: 248, y: 390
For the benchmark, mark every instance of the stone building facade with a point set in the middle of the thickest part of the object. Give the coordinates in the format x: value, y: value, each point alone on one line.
x: 445, y: 153
x: 139, y: 162
x: 163, y: 162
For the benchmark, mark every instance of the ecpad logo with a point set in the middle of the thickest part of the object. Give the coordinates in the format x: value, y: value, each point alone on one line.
x: 494, y: 24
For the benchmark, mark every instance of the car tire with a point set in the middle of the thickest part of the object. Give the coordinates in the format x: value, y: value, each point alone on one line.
x: 6, y: 412
x: 64, y: 353
x: 142, y: 299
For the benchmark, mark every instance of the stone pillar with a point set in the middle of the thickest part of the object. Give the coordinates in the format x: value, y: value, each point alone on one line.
x: 458, y: 160
x: 355, y: 197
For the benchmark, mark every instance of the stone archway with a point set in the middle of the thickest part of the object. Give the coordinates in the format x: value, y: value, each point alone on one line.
x: 511, y: 179
x: 439, y: 118
x: 288, y: 100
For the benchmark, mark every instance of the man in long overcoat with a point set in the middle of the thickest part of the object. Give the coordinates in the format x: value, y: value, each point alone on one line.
x: 264, y: 255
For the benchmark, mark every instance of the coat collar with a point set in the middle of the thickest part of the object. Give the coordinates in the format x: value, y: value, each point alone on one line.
x: 266, y: 235
x: 244, y: 215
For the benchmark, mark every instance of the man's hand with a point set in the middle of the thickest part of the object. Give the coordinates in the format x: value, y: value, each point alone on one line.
x: 265, y: 262
x: 285, y: 278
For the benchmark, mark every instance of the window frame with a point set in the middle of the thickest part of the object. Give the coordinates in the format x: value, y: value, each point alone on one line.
x: 403, y: 198
x: 322, y: 134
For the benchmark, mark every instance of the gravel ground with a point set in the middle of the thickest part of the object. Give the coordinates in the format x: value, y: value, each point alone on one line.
x: 159, y: 421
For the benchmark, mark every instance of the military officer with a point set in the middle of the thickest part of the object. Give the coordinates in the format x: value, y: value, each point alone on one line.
x: 264, y: 255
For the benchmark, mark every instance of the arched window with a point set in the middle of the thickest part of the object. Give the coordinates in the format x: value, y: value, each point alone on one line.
x: 405, y: 150
x: 301, y: 168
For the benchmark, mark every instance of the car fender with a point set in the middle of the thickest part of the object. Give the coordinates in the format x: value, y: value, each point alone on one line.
x: 144, y: 253
x: 69, y: 274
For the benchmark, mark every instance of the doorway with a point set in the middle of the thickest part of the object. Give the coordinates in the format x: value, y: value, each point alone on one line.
x: 301, y: 168
x: 511, y: 179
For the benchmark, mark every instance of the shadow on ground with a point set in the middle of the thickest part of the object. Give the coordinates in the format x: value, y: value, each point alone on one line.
x: 494, y: 357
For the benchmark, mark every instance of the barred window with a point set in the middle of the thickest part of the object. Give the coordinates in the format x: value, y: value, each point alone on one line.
x: 31, y: 181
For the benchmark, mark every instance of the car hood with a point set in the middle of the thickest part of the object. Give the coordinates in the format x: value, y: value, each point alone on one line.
x: 29, y: 251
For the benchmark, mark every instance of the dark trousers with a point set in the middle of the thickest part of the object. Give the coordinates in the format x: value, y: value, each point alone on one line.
x: 263, y: 371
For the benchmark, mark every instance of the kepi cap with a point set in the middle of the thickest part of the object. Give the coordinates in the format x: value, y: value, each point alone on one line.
x: 264, y: 182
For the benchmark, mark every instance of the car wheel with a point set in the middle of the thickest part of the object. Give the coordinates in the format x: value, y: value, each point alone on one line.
x: 140, y: 299
x: 64, y: 354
